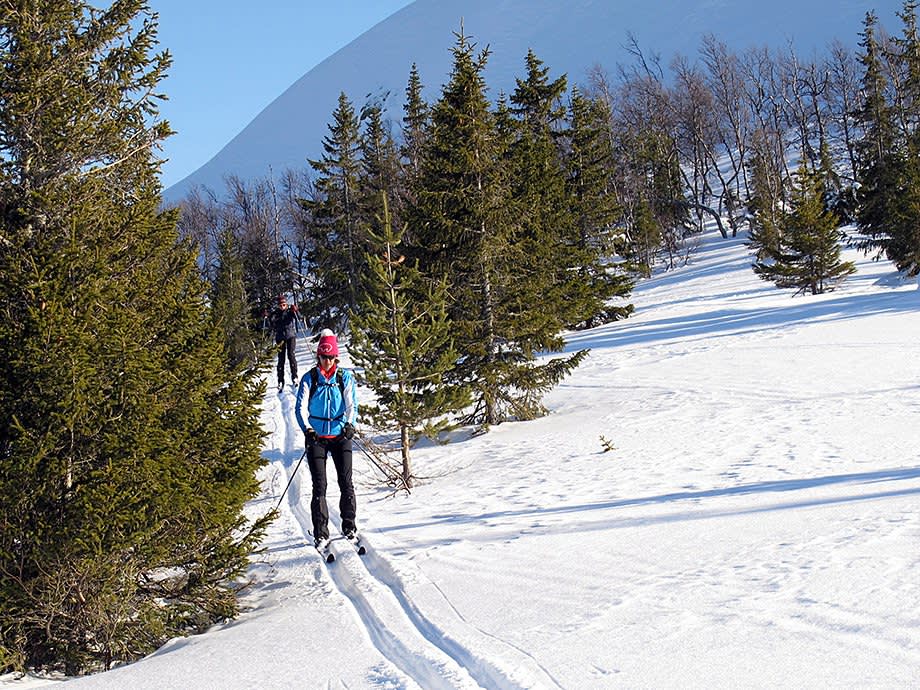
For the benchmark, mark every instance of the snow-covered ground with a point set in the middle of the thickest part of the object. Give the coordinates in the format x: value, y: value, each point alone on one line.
x: 756, y: 523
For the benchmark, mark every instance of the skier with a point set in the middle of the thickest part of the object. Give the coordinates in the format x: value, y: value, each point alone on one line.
x: 327, y: 412
x: 284, y: 323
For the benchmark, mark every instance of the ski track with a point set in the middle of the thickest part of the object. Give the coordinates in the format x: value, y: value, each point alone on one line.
x: 486, y: 673
x: 447, y: 655
x: 391, y: 633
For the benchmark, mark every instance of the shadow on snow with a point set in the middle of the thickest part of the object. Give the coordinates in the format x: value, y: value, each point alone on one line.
x: 744, y: 321
x: 783, y: 486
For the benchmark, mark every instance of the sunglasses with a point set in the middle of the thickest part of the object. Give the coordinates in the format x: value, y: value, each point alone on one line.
x: 327, y: 357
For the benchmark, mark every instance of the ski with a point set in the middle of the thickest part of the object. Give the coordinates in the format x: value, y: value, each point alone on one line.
x: 355, y: 541
x: 324, y: 551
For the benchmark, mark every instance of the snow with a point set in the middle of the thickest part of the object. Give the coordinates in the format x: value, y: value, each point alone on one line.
x: 755, y: 524
x: 569, y: 37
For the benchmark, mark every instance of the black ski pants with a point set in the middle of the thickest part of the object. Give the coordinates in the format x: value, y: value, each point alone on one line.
x: 286, y: 349
x: 340, y: 450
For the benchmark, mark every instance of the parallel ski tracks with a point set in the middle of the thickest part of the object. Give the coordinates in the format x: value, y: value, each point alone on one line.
x: 431, y: 644
x: 387, y: 627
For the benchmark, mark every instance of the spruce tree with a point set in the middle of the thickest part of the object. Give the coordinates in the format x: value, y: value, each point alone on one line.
x: 807, y: 254
x: 542, y: 248
x: 903, y: 247
x: 595, y: 214
x: 415, y: 123
x: 465, y: 229
x: 128, y: 445
x: 381, y: 175
x: 403, y: 340
x: 888, y: 213
x: 337, y: 243
x: 644, y: 236
x: 766, y: 200
x: 379, y: 160
x: 230, y: 305
x: 415, y: 128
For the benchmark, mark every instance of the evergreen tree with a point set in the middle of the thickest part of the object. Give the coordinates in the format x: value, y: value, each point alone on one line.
x: 337, y: 245
x: 595, y: 213
x: 466, y: 230
x: 128, y: 446
x: 766, y: 199
x: 402, y: 338
x: 381, y: 174
x: 230, y: 305
x: 903, y: 247
x: 644, y: 236
x: 665, y: 189
x: 807, y: 255
x: 542, y: 248
x: 648, y: 182
x: 415, y: 123
x: 888, y: 213
x: 379, y: 159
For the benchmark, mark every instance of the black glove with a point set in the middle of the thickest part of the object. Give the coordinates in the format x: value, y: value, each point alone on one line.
x: 348, y: 431
x: 311, y: 436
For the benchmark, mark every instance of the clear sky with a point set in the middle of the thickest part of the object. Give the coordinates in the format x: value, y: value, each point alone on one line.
x: 232, y: 58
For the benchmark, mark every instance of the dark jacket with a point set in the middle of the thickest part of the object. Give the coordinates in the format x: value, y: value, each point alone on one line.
x: 284, y: 321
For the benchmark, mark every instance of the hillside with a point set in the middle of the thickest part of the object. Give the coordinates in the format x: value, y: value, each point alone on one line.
x: 754, y: 526
x: 571, y: 38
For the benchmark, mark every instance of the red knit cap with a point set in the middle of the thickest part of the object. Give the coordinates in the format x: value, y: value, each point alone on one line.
x: 328, y: 345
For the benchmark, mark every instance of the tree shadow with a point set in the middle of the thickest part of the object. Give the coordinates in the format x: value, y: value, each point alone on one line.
x: 744, y: 321
x: 780, y: 486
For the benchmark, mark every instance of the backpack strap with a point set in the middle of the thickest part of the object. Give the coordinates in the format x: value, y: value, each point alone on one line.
x: 314, y: 381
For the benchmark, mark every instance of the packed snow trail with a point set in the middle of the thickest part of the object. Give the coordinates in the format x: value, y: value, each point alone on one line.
x: 429, y: 642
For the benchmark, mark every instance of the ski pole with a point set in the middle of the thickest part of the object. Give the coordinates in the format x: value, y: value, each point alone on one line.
x: 297, y: 467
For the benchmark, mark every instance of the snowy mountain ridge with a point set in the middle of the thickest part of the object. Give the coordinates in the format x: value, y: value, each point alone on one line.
x: 570, y: 38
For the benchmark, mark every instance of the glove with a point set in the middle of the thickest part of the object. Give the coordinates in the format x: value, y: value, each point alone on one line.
x: 311, y: 435
x: 348, y: 431
x: 294, y: 308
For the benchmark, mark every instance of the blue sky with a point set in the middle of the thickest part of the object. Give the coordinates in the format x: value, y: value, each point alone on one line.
x: 232, y: 58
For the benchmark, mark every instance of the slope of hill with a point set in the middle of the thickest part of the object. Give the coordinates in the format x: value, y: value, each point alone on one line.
x: 569, y: 37
x: 754, y: 525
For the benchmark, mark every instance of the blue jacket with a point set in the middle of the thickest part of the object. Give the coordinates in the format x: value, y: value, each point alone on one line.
x: 328, y: 410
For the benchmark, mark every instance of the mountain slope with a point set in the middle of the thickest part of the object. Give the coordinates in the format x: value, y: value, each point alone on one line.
x: 755, y: 524
x: 569, y: 37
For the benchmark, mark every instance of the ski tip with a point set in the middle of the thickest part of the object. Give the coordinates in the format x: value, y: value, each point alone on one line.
x: 330, y: 557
